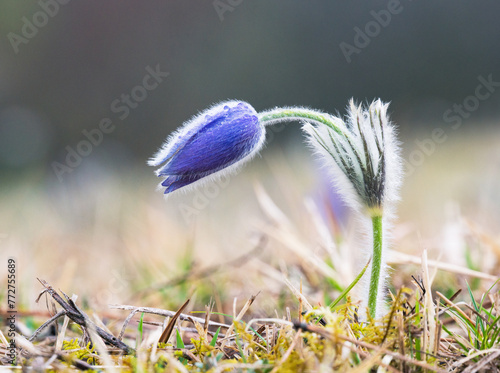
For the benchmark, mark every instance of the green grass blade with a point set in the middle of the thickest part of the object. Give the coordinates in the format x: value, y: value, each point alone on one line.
x: 258, y: 335
x: 418, y: 347
x: 214, y: 313
x: 180, y: 344
x: 479, y: 320
x: 140, y: 330
x: 490, y: 315
x: 214, y: 339
x: 492, y: 333
x: 348, y: 289
x: 179, y: 341
x: 240, y: 348
x: 451, y: 334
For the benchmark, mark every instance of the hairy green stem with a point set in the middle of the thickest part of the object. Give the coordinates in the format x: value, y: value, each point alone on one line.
x: 278, y: 115
x: 376, y: 265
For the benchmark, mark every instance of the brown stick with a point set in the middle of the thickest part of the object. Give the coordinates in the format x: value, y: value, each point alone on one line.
x: 79, y: 317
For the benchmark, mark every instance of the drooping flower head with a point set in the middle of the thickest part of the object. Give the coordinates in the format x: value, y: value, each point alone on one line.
x: 216, y: 141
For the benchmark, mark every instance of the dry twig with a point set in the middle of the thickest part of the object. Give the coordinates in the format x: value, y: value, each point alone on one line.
x: 79, y: 317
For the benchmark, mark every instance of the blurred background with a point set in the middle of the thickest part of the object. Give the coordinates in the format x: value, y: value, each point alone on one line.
x: 90, y: 89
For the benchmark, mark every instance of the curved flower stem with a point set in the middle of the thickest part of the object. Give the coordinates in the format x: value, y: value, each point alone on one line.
x: 278, y: 115
x: 376, y: 265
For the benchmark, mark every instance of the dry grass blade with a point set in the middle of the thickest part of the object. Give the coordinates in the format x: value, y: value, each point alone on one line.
x: 284, y: 232
x: 62, y: 333
x: 170, y: 327
x: 208, y: 313
x: 23, y: 343
x: 492, y: 358
x: 303, y: 251
x: 298, y: 294
x: 238, y: 318
x: 3, y: 339
x: 45, y: 324
x: 430, y: 326
x: 160, y: 312
x: 461, y: 362
x: 101, y: 348
x: 396, y: 257
x: 268, y: 320
x: 270, y: 207
x: 455, y: 307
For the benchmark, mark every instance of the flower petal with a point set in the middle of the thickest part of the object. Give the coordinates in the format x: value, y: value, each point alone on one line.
x: 219, y: 143
x: 173, y: 183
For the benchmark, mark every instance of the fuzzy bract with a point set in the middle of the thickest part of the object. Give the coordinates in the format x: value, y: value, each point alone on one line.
x: 363, y: 157
x: 216, y: 141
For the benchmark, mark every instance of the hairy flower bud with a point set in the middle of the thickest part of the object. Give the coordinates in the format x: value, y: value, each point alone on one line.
x: 211, y: 144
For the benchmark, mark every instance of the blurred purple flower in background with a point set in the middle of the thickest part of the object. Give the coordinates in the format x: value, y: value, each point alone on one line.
x: 213, y: 143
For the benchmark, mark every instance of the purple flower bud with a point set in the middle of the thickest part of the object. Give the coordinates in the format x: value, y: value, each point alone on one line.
x: 212, y: 143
